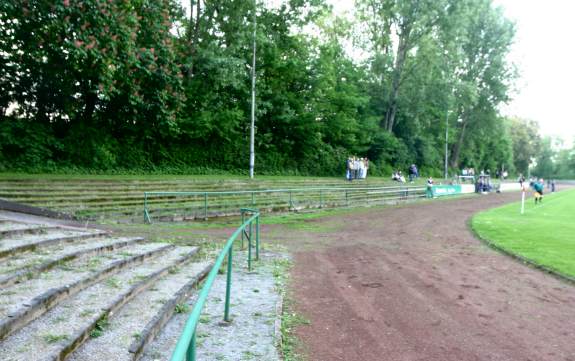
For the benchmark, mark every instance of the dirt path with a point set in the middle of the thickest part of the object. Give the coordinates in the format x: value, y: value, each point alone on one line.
x: 412, y: 283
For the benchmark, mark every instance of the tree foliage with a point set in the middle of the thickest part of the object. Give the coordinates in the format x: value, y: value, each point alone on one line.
x: 116, y: 84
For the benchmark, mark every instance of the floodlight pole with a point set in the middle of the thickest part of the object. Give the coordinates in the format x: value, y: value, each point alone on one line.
x: 253, y: 120
x: 446, y: 140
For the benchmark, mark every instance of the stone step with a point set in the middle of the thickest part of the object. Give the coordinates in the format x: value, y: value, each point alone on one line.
x: 21, y: 303
x: 30, y: 264
x: 65, y: 327
x: 9, y: 247
x: 12, y: 230
x: 139, y: 321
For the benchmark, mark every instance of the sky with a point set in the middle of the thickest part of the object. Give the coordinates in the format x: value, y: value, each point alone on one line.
x: 544, y: 52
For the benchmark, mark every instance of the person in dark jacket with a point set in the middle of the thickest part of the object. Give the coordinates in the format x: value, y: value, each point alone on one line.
x: 413, y: 173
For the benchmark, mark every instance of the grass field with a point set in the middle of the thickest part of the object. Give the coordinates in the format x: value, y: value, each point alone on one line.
x: 544, y: 234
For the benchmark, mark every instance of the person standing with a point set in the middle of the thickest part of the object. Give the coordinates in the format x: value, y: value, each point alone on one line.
x: 521, y: 181
x: 429, y: 190
x: 348, y: 169
x: 538, y: 187
x: 412, y: 173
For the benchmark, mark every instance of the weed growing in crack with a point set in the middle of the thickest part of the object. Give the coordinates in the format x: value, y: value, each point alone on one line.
x: 182, y: 308
x: 51, y: 338
x: 101, y: 325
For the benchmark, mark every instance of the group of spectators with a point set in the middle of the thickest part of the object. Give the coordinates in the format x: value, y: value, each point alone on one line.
x: 501, y: 174
x: 483, y: 184
x: 468, y: 172
x: 356, y: 168
x: 412, y: 171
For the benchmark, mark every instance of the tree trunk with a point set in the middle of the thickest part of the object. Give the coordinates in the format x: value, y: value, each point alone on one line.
x: 457, y: 146
x: 396, y: 80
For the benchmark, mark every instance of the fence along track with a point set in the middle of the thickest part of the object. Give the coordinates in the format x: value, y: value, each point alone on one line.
x: 122, y: 199
x: 212, y: 204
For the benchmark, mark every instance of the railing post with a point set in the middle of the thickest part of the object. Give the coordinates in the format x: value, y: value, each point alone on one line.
x: 250, y: 248
x: 205, y: 206
x: 243, y: 229
x: 191, y: 354
x: 146, y: 214
x: 258, y: 238
x: 228, y: 286
x: 320, y: 199
x: 253, y: 199
x: 290, y: 201
x: 346, y: 199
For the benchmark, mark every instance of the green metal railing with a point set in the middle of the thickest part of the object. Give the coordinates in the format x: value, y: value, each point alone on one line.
x: 206, y: 204
x: 186, y: 346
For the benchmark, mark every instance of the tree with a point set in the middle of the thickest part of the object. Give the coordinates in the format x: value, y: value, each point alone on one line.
x: 482, y: 69
x: 525, y: 141
x: 545, y: 159
x: 93, y: 72
x: 119, y: 84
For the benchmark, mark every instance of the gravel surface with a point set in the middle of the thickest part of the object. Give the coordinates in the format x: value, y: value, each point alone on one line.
x: 250, y: 335
x: 45, y: 336
x: 16, y: 296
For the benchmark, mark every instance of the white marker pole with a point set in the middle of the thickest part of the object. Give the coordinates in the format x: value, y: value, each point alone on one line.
x: 522, y: 200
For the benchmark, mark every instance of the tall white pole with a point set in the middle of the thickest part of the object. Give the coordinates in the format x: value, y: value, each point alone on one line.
x: 522, y: 200
x: 446, y: 141
x: 253, y: 121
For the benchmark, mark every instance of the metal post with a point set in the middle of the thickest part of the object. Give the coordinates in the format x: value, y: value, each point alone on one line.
x: 228, y: 286
x: 191, y: 354
x: 206, y: 206
x: 290, y: 201
x: 146, y: 214
x: 243, y: 230
x: 346, y: 200
x: 253, y: 120
x: 250, y: 247
x: 258, y: 238
x: 320, y: 199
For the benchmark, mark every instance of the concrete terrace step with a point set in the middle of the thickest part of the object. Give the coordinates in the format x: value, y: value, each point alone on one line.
x: 17, y: 245
x: 77, y: 189
x: 137, y: 199
x: 10, y: 230
x: 64, y: 328
x: 21, y: 303
x: 138, y: 322
x: 28, y: 265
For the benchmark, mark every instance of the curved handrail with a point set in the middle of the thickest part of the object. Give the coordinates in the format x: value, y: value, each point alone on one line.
x: 186, y: 346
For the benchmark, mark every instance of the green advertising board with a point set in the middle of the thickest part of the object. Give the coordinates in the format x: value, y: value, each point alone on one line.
x: 447, y: 190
